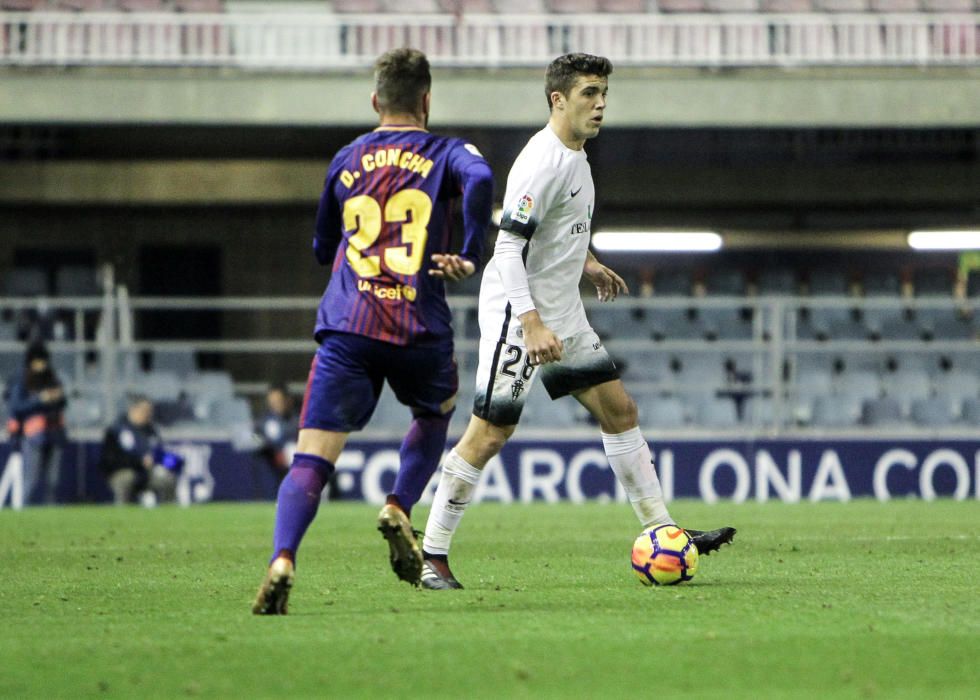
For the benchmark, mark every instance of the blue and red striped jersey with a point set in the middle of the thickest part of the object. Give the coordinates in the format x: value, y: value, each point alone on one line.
x: 386, y: 208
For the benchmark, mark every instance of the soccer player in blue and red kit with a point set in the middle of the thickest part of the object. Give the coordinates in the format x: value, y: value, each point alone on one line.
x: 384, y: 223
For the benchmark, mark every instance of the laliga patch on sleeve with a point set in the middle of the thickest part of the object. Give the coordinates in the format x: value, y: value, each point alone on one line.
x: 523, y: 211
x: 473, y: 149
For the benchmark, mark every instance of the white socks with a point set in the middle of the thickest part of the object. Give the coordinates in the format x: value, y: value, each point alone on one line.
x: 631, y: 462
x: 456, y: 486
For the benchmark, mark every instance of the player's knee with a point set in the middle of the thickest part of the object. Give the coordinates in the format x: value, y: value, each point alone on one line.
x: 621, y: 416
x: 483, y: 441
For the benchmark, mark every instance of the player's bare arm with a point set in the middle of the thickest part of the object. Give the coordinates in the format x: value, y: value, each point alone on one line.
x: 543, y: 346
x: 608, y: 284
x: 452, y: 267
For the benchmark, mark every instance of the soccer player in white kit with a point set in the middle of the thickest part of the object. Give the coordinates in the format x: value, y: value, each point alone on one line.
x: 532, y: 320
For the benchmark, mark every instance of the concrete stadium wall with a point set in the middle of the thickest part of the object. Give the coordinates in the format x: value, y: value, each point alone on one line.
x: 638, y: 97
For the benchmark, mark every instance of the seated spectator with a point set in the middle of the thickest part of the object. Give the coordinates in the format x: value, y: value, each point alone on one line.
x: 134, y: 460
x: 36, y: 402
x: 276, y: 431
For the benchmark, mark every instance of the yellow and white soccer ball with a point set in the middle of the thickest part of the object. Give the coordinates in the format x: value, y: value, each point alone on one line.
x: 664, y: 555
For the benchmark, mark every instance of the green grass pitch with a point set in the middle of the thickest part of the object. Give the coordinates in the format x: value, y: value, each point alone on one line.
x: 813, y: 600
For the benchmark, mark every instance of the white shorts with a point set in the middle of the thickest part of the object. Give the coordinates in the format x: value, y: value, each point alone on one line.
x: 504, y: 377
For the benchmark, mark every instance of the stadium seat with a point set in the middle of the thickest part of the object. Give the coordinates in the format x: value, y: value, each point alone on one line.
x: 143, y: 5
x: 932, y: 282
x: 713, y: 412
x: 411, y: 7
x: 701, y: 371
x: 623, y: 6
x: 970, y: 412
x: 840, y: 5
x: 179, y: 361
x: 725, y: 282
x: 933, y: 412
x: 644, y: 366
x: 957, y: 385
x: 921, y: 361
x: 157, y: 385
x: 22, y: 5
x: 732, y: 5
x: 828, y: 283
x: 76, y: 281
x: 541, y: 412
x: 781, y: 6
x: 673, y: 324
x: 673, y: 283
x: 881, y: 411
x: 616, y: 321
x: 231, y: 412
x: 519, y: 6
x: 681, y: 5
x: 859, y: 384
x: 84, y: 410
x: 82, y: 5
x: 896, y: 5
x: 467, y: 7
x: 572, y: 6
x: 889, y: 322
x: 835, y: 411
x: 906, y: 386
x: 947, y: 5
x: 208, y: 6
x: 26, y: 282
x: 662, y: 413
x: 210, y: 384
x: 776, y: 282
x: 758, y: 411
x: 726, y: 324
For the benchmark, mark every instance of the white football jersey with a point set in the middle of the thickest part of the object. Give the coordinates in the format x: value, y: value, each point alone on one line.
x: 549, y: 202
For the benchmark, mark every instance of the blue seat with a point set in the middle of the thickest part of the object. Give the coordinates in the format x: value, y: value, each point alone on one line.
x: 714, y: 412
x: 835, y: 411
x: 933, y: 412
x: 828, y: 283
x: 725, y: 282
x: 907, y: 386
x: 179, y: 361
x: 957, y: 385
x: 540, y: 411
x: 882, y: 411
x: 758, y: 411
x: 701, y: 372
x: 663, y: 412
x: 26, y: 282
x: 673, y: 283
x: 674, y: 324
x: 970, y: 411
x: 776, y: 281
x: 859, y: 384
x: 76, y: 281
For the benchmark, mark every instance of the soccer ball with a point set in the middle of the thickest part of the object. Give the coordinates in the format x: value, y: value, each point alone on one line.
x: 664, y: 555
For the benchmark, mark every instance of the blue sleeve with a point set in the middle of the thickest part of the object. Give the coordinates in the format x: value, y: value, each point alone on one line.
x: 476, y: 180
x: 329, y: 226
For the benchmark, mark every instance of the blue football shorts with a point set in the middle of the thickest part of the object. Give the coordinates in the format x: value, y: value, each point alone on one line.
x: 349, y: 371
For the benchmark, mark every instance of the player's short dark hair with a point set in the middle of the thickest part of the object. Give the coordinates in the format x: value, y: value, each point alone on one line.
x: 401, y: 78
x: 564, y: 70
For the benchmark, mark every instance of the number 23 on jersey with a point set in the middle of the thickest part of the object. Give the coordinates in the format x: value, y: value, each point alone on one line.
x: 362, y: 214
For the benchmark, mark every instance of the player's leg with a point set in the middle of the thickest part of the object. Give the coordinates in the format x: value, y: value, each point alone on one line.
x: 628, y: 453
x: 460, y: 474
x: 626, y: 449
x: 502, y: 382
x: 425, y: 379
x: 340, y: 396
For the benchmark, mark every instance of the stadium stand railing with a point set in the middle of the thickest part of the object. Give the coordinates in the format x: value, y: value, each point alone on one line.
x: 718, y: 365
x: 336, y: 41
